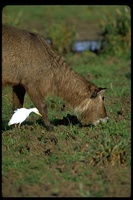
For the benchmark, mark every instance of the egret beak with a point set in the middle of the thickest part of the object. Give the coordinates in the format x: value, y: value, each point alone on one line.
x: 39, y: 114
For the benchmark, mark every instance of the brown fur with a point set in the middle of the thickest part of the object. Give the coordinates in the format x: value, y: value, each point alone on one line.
x: 30, y: 65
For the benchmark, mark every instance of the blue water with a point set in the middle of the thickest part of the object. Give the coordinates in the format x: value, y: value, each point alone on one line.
x: 84, y: 45
x: 80, y: 46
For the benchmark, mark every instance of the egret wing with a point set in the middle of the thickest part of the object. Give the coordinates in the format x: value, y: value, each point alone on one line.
x: 18, y: 117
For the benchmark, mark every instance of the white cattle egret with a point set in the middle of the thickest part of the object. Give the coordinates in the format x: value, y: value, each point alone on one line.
x: 21, y: 114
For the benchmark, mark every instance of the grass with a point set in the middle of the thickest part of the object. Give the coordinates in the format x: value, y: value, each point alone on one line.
x: 72, y: 160
x: 29, y: 16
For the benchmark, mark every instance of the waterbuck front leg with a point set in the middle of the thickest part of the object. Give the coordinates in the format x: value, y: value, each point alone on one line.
x: 18, y: 96
x: 40, y: 104
x: 47, y: 123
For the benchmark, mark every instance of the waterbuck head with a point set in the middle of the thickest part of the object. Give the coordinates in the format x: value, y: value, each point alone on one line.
x: 92, y: 109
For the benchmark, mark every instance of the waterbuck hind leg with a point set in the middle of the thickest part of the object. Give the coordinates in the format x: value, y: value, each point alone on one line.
x: 18, y: 96
x: 40, y: 104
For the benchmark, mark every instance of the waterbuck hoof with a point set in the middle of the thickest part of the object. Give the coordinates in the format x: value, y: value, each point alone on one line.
x: 50, y: 128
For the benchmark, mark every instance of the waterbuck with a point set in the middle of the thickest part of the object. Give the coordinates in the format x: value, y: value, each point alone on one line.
x: 30, y: 65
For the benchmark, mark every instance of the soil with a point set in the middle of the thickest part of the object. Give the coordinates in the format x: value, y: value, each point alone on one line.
x: 116, y: 176
x: 68, y: 188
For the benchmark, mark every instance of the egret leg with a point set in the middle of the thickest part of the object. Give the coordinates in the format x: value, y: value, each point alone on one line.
x: 15, y: 125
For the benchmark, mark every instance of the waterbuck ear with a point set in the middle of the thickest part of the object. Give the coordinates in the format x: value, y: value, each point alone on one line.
x: 98, y: 91
x: 101, y: 91
x: 94, y: 94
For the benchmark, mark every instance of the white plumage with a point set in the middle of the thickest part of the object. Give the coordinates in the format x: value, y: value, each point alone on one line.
x: 21, y: 114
